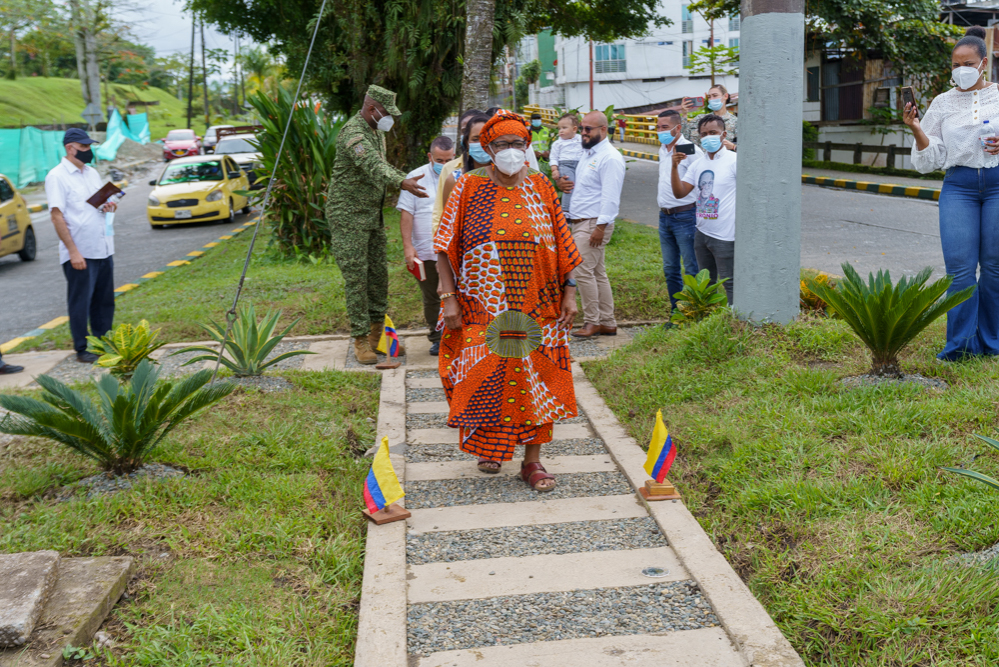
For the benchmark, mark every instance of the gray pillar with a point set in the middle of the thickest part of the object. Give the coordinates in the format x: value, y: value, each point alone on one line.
x: 768, y: 196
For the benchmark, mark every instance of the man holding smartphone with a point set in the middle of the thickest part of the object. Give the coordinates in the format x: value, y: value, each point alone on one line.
x: 677, y: 215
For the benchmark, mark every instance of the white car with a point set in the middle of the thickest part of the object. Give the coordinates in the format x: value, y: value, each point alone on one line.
x: 246, y: 155
x: 212, y: 137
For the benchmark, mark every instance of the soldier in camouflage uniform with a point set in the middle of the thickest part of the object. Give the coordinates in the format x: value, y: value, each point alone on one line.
x: 354, y: 202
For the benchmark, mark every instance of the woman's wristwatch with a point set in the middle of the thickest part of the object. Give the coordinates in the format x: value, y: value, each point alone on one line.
x: 447, y: 294
x: 569, y: 282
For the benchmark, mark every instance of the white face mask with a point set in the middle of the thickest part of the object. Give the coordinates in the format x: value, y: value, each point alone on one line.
x: 510, y: 160
x: 966, y: 77
x: 385, y: 123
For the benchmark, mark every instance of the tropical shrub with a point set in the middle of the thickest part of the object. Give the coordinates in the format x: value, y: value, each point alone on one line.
x: 248, y: 345
x: 124, y: 425
x: 122, y: 349
x: 698, y: 298
x: 887, y: 317
x: 296, y: 211
x: 977, y: 476
x: 808, y: 299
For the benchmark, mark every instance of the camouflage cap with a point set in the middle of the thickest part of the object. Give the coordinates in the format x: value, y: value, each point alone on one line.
x: 384, y: 97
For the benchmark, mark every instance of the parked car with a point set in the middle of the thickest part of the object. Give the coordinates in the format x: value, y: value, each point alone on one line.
x: 16, y: 233
x: 212, y: 137
x: 181, y: 143
x: 241, y: 149
x: 197, y: 188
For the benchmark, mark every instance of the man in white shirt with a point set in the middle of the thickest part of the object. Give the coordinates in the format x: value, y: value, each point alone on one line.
x: 677, y: 219
x: 713, y: 178
x: 596, y: 198
x: 86, y: 251
x: 416, y: 223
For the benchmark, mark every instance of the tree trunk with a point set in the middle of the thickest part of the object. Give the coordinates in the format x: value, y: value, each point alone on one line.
x: 93, y: 70
x: 81, y: 58
x: 13, y: 56
x: 478, y: 57
x: 204, y: 73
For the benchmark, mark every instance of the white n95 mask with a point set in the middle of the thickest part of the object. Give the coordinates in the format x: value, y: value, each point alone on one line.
x: 966, y: 77
x: 510, y: 160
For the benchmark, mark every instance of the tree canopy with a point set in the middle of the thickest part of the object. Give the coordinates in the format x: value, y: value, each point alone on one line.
x: 413, y: 47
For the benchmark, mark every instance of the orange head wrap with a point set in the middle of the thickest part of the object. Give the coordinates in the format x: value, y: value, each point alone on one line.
x: 503, y: 123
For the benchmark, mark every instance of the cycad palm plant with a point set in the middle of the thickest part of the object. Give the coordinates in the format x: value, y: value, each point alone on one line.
x: 987, y: 480
x: 248, y: 345
x: 124, y: 425
x: 887, y: 317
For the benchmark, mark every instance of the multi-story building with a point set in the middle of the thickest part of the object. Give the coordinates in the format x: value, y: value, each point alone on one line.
x: 632, y: 74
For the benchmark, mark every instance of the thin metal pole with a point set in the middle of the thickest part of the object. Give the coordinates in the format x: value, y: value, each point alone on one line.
x: 190, y: 77
x: 591, y: 76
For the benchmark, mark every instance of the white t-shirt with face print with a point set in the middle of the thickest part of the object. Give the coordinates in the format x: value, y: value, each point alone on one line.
x: 714, y: 185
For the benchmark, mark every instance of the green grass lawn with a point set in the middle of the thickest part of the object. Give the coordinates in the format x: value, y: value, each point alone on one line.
x: 47, y: 101
x: 826, y: 500
x: 254, y: 558
x: 182, y: 297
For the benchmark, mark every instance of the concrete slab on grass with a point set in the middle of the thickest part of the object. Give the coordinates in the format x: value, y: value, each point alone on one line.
x: 28, y: 579
x: 35, y: 363
x: 84, y: 594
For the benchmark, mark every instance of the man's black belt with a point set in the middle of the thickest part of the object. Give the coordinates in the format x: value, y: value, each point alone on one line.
x: 678, y: 209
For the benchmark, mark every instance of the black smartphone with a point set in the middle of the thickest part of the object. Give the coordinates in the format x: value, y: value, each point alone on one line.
x: 908, y: 97
x: 686, y: 149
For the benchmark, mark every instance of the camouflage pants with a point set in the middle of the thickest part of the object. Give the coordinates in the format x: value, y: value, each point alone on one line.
x: 360, y: 254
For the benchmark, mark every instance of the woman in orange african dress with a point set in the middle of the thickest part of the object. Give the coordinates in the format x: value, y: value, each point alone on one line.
x: 505, y: 261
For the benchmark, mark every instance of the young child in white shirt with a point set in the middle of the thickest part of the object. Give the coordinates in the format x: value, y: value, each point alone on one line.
x: 566, y: 152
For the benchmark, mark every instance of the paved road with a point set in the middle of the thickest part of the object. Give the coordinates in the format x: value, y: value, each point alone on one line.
x: 33, y: 293
x: 869, y: 231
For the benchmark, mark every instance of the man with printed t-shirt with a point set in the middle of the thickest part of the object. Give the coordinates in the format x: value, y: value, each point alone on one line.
x: 713, y: 177
x: 86, y: 250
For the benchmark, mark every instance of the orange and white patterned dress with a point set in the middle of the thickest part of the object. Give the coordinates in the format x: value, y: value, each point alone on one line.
x: 507, y: 372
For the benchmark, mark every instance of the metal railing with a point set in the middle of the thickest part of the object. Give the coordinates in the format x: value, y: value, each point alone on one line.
x: 891, y: 151
x: 638, y: 125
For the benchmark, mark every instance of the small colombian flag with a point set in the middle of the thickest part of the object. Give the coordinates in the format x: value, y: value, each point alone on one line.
x: 661, y: 451
x: 382, y: 487
x: 389, y: 342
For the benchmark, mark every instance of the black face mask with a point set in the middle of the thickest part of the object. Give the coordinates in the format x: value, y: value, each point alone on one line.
x: 86, y: 157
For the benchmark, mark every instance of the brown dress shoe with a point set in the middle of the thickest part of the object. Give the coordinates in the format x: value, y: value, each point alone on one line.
x: 363, y: 351
x: 588, y: 331
x: 376, y: 335
x: 607, y: 331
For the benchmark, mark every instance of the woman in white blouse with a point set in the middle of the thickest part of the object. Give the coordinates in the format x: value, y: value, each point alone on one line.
x: 949, y: 137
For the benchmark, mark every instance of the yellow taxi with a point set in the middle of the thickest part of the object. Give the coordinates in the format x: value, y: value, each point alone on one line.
x: 16, y: 233
x: 196, y: 188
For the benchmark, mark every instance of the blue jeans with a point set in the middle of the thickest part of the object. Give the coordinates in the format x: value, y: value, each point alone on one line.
x: 676, y: 241
x: 969, y: 235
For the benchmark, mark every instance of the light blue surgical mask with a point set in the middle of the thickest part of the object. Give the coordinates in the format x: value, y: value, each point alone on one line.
x: 716, y: 104
x: 478, y: 154
x: 666, y: 137
x: 438, y: 167
x: 535, y: 122
x: 711, y: 143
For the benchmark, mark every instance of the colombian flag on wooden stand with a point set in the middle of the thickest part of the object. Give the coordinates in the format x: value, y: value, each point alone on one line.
x: 382, y: 487
x: 389, y: 342
x: 661, y: 451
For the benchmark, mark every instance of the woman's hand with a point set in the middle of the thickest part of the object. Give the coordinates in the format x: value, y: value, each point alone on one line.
x: 992, y: 146
x: 728, y: 144
x: 452, y: 313
x: 910, y: 116
x: 569, y: 310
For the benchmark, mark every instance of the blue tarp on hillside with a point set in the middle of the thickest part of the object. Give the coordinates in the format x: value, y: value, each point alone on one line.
x: 136, y: 129
x: 26, y: 155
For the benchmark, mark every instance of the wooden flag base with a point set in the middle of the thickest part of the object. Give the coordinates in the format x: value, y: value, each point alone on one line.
x: 388, y: 514
x: 656, y: 491
x: 388, y: 365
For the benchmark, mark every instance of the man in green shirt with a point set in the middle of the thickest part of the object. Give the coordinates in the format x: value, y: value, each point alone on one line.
x: 541, y: 137
x: 354, y: 202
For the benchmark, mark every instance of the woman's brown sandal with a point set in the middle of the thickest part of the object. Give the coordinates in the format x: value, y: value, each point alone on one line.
x: 532, y: 473
x: 489, y: 466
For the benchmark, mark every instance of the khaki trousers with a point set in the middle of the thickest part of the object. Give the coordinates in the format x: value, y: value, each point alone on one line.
x: 591, y: 276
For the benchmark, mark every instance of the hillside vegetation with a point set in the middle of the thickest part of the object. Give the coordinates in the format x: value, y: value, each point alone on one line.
x: 46, y: 101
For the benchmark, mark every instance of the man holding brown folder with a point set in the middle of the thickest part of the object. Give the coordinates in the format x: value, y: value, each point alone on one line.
x: 86, y: 242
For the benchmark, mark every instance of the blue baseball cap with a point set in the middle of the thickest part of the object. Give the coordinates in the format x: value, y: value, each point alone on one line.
x: 78, y: 136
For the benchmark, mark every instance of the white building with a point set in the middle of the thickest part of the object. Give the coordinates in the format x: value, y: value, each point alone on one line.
x: 632, y: 74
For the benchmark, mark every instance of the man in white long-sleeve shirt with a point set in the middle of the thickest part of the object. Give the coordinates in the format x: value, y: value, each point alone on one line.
x: 596, y: 197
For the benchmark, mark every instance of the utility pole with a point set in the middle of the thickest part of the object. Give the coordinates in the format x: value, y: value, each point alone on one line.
x: 512, y: 68
x: 768, y: 192
x: 190, y: 77
x: 591, y: 76
x: 204, y: 73
x: 711, y: 45
x: 235, y: 75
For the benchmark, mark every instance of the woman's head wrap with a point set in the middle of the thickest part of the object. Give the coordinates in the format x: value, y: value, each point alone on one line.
x: 503, y: 123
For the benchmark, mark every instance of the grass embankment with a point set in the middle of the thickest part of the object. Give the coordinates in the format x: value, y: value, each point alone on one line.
x: 48, y: 101
x: 254, y: 558
x: 182, y: 297
x: 828, y: 500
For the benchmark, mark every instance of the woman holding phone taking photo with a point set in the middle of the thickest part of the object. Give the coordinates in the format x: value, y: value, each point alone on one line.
x: 954, y: 136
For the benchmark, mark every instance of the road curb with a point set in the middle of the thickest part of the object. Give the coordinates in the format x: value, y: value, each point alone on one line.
x: 127, y: 287
x: 891, y: 189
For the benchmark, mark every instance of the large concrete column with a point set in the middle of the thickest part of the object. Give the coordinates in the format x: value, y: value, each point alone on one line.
x: 768, y: 197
